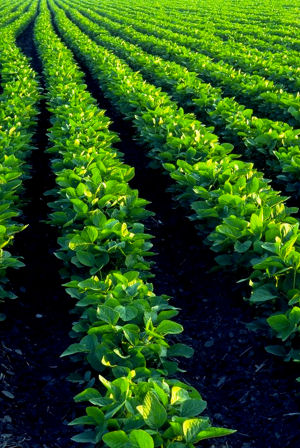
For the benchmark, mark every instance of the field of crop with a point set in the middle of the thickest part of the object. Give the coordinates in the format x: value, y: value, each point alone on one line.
x: 149, y: 224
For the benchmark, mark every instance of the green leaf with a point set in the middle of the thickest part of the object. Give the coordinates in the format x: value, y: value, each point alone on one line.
x: 96, y: 414
x: 119, y: 389
x: 85, y: 437
x: 116, y: 439
x: 294, y: 112
x: 192, y: 427
x: 180, y: 350
x: 294, y: 315
x: 153, y: 411
x: 101, y: 401
x: 84, y: 420
x: 127, y: 313
x: 108, y: 314
x: 131, y: 332
x: 214, y: 432
x: 92, y: 283
x: 256, y: 223
x: 168, y: 314
x: 87, y: 395
x: 141, y: 439
x: 262, y: 294
x: 105, y: 382
x: 192, y: 408
x: 74, y: 348
x: 282, y: 325
x: 161, y: 394
x: 169, y: 327
x: 179, y: 395
x: 99, y: 219
x: 79, y: 206
x: 279, y: 322
x: 81, y: 189
x: 242, y: 247
x: 90, y: 234
x: 85, y: 258
x: 276, y: 350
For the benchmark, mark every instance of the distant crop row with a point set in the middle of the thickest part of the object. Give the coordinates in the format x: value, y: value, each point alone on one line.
x: 259, y: 92
x: 269, y: 65
x: 237, y: 29
x: 12, y: 12
x: 277, y: 141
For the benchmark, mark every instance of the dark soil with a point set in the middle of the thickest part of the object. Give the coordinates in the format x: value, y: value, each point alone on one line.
x: 246, y: 388
x: 36, y: 400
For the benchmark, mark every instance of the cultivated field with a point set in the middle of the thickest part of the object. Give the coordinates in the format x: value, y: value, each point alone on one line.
x: 149, y: 183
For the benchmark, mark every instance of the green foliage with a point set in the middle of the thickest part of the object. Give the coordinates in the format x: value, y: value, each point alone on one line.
x: 120, y: 326
x: 18, y: 115
x: 232, y: 204
x: 275, y: 140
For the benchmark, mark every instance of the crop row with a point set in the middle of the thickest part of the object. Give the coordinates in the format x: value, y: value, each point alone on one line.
x: 286, y: 19
x: 8, y: 5
x: 228, y: 28
x: 248, y: 222
x: 122, y: 330
x: 217, y: 15
x: 11, y: 13
x: 232, y: 36
x: 277, y: 141
x: 267, y: 64
x: 18, y: 112
x: 256, y: 91
x: 121, y: 325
